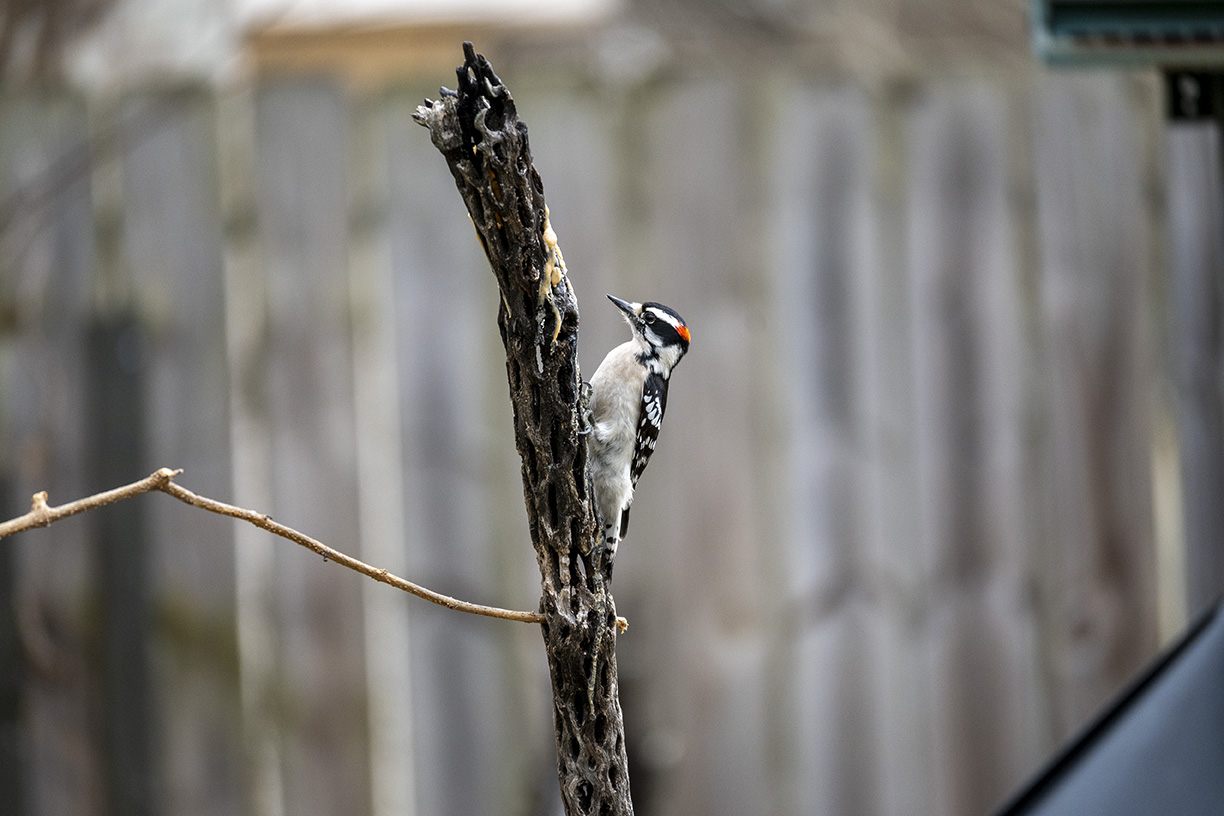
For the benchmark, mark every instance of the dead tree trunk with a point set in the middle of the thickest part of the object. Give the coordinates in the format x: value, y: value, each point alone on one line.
x: 485, y: 145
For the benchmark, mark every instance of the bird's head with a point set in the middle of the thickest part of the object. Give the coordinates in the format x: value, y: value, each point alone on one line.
x: 660, y: 329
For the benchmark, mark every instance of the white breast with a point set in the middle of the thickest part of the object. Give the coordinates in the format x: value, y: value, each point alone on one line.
x: 616, y: 401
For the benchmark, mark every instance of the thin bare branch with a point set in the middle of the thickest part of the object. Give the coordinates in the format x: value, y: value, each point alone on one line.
x: 41, y: 514
x: 263, y: 521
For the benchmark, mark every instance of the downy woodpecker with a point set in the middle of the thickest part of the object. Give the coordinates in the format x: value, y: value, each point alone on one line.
x: 628, y: 398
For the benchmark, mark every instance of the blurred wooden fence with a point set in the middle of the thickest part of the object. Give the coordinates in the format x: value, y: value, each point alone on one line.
x: 896, y: 544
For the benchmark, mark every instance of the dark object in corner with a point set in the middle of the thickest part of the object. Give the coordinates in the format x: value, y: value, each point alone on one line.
x: 1158, y: 749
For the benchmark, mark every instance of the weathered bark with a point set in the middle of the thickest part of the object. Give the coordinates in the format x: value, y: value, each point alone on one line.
x: 485, y: 145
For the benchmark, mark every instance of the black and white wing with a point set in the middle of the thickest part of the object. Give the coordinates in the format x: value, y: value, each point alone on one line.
x: 650, y: 419
x: 654, y: 404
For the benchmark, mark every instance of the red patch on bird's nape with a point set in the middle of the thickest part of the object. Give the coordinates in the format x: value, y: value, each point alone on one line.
x: 683, y: 331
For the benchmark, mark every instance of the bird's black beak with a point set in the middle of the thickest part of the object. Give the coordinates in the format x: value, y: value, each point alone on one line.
x: 625, y: 306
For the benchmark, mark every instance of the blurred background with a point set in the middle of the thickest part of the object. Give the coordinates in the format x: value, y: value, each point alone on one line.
x: 916, y: 513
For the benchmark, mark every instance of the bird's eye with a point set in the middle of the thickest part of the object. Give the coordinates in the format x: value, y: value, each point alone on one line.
x: 648, y: 317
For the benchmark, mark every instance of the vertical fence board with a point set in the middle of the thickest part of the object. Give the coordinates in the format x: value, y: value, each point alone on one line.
x: 47, y: 263
x: 376, y: 388
x: 899, y: 582
x: 1096, y: 554
x: 302, y: 132
x: 173, y: 247
x: 254, y: 550
x: 1196, y: 254
x: 116, y: 426
x: 969, y: 369
x: 823, y: 230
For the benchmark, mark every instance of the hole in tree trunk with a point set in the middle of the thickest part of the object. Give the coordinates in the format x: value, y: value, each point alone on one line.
x: 601, y: 722
x: 580, y: 471
x: 585, y: 792
x: 565, y: 379
x: 553, y: 515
